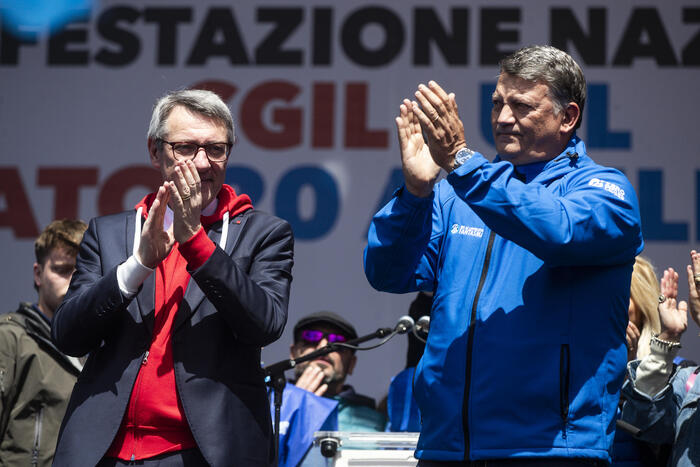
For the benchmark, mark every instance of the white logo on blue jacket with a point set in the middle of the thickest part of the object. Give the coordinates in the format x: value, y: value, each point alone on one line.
x: 608, y: 186
x: 466, y: 230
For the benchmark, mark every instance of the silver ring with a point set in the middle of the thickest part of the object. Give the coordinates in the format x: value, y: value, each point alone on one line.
x: 662, y: 298
x: 696, y: 277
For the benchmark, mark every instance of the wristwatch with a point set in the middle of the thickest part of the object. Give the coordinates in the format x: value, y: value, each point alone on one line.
x: 462, y: 156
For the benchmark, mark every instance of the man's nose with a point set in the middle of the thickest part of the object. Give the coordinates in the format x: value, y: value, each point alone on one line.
x: 201, y: 161
x: 322, y: 343
x: 505, y: 116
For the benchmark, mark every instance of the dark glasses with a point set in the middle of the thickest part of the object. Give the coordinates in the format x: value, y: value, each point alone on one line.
x: 312, y: 336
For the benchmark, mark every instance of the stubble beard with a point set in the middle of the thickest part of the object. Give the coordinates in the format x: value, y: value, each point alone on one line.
x: 327, y: 378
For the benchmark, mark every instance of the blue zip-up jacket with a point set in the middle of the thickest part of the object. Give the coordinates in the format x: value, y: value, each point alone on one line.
x: 526, y: 351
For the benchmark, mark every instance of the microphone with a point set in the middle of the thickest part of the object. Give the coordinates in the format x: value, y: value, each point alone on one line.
x: 423, y: 325
x: 404, y: 325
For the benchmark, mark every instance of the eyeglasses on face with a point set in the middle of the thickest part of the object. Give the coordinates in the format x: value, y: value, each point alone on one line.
x: 312, y: 336
x: 183, y: 150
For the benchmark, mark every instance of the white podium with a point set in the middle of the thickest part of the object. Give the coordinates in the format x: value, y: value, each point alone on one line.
x: 345, y: 448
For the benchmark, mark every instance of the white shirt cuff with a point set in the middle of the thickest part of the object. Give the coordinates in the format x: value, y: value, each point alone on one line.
x: 655, y: 369
x: 130, y: 275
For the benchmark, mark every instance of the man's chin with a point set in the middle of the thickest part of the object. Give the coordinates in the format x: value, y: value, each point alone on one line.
x: 207, y: 198
x: 330, y: 379
x: 507, y: 152
x: 329, y: 375
x: 208, y: 194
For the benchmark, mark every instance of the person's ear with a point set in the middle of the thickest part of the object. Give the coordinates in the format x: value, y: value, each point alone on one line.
x: 37, y: 275
x: 153, y: 153
x: 351, y: 364
x: 572, y: 114
x: 293, y: 351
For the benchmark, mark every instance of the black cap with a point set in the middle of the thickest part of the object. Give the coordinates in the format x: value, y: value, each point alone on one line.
x: 325, y: 317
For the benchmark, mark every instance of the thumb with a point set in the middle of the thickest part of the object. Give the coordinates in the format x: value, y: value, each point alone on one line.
x: 683, y: 306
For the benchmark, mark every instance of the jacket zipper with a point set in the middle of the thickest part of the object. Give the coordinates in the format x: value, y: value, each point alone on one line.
x: 564, y: 377
x: 37, y: 437
x: 137, y: 392
x: 470, y: 344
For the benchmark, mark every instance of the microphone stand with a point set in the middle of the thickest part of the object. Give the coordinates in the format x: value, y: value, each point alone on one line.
x: 277, y: 381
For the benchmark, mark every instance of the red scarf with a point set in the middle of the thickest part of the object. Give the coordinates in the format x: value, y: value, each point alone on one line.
x: 154, y: 422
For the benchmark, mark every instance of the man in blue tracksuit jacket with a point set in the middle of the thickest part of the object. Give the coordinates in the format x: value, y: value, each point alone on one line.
x: 530, y: 258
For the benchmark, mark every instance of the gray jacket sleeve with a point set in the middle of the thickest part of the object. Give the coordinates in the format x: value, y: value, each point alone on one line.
x: 654, y: 415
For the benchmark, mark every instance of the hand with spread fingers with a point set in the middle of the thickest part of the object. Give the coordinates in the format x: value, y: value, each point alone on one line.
x: 672, y: 313
x: 419, y: 170
x: 439, y: 118
x: 156, y: 243
x: 693, y: 271
x: 186, y: 195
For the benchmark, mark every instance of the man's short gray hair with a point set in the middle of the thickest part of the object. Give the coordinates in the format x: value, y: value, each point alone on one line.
x: 555, y: 68
x: 195, y: 100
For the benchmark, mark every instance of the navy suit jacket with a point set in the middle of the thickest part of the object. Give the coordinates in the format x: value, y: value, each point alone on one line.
x: 235, y: 303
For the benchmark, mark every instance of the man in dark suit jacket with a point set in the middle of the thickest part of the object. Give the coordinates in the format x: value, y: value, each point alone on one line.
x: 173, y: 310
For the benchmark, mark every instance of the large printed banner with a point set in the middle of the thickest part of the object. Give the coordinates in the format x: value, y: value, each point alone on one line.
x: 314, y: 87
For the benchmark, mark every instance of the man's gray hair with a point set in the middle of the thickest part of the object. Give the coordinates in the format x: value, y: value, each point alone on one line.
x: 200, y: 101
x: 555, y: 68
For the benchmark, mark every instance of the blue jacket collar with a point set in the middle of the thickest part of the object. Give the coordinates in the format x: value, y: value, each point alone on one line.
x: 573, y: 155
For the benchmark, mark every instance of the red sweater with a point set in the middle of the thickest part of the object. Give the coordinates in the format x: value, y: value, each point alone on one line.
x: 154, y: 422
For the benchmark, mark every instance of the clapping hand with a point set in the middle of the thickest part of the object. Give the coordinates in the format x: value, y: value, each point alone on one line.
x: 419, y: 170
x: 186, y: 195
x: 693, y: 271
x: 156, y: 243
x: 439, y: 118
x: 673, y: 314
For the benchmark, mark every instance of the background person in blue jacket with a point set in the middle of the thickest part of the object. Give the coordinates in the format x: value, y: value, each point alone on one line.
x: 529, y: 257
x: 326, y: 375
x: 318, y: 399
